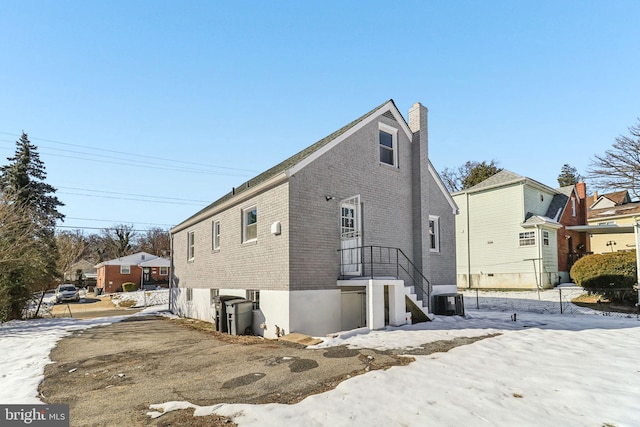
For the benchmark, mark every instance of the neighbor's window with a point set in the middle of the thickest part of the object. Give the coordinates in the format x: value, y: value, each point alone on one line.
x: 191, y: 245
x: 213, y: 294
x: 189, y: 295
x: 125, y: 269
x: 164, y: 271
x: 253, y: 295
x: 250, y: 224
x: 216, y: 235
x: 388, y: 141
x: 545, y: 238
x: 528, y: 238
x: 573, y: 206
x: 434, y: 234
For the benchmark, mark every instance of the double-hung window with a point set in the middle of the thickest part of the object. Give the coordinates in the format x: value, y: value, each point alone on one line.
x: 164, y: 271
x: 191, y: 246
x: 125, y: 269
x: 527, y: 238
x: 216, y: 235
x: 388, y: 142
x: 434, y: 234
x: 250, y: 224
x: 545, y: 237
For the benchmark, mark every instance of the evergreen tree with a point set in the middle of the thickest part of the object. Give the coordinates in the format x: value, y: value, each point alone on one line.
x: 568, y: 176
x: 468, y: 175
x: 22, y: 185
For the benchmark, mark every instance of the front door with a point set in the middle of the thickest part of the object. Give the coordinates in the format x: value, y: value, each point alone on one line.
x: 351, y: 237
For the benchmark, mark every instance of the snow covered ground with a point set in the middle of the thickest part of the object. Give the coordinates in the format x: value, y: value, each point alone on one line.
x: 580, y: 369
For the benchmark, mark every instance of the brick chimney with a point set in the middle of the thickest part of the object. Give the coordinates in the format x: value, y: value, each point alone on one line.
x: 581, y: 189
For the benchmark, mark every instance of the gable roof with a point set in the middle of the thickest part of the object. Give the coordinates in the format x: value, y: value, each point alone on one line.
x: 627, y: 209
x: 156, y: 262
x: 560, y: 201
x: 617, y: 198
x: 288, y: 167
x: 134, y: 259
x: 502, y: 179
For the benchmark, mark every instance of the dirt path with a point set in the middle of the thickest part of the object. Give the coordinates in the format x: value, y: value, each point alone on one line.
x: 110, y: 375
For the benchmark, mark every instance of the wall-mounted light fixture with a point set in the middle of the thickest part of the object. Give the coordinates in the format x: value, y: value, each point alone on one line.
x: 329, y: 198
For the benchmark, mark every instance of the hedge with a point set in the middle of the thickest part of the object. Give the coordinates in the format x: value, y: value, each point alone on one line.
x: 610, y: 275
x: 129, y: 287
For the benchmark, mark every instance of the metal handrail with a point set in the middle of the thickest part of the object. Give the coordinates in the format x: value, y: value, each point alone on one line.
x: 385, y: 257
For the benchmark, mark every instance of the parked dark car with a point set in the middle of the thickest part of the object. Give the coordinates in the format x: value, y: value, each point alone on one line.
x: 67, y: 292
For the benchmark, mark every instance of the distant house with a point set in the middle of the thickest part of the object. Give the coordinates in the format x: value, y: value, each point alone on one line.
x: 356, y: 230
x: 83, y: 270
x: 611, y: 219
x: 511, y: 232
x: 141, y: 268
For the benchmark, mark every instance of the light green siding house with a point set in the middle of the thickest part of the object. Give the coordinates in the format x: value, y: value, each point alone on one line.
x: 505, y: 237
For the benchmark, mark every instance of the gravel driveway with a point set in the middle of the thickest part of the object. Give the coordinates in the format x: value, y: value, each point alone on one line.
x: 109, y: 375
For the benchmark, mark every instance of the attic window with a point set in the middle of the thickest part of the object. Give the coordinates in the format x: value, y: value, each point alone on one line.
x: 388, y: 142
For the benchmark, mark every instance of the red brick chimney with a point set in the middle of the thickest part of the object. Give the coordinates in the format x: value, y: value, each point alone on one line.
x: 581, y: 189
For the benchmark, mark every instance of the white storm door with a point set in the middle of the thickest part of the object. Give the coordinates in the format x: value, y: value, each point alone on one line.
x: 351, y: 236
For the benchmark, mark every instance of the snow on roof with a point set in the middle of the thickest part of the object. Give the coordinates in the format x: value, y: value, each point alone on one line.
x: 134, y: 259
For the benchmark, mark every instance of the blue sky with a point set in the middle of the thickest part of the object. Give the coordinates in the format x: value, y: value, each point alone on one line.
x: 181, y: 101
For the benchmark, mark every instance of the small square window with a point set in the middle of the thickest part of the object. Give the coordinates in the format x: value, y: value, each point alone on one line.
x: 125, y: 269
x: 164, y: 271
x: 250, y: 224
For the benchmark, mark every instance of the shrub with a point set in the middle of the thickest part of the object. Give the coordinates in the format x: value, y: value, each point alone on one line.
x: 129, y: 287
x: 610, y: 275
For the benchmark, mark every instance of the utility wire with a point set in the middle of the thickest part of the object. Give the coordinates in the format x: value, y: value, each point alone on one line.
x: 135, y: 195
x: 128, y: 154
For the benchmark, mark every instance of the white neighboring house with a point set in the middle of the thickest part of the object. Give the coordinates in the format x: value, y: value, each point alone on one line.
x: 356, y: 230
x: 507, y: 233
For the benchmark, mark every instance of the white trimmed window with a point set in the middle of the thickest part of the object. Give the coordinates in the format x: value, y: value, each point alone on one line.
x: 216, y: 235
x: 250, y: 224
x: 191, y: 246
x: 164, y: 271
x: 527, y: 238
x: 189, y: 295
x: 434, y: 234
x: 545, y: 238
x: 253, y: 295
x: 388, y: 142
x: 573, y: 206
x: 125, y: 269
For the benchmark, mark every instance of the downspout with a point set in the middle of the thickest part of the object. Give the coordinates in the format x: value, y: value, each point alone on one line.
x: 468, y: 245
x: 540, y: 263
x: 171, y: 274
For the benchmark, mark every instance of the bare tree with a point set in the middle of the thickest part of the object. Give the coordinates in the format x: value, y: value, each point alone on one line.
x: 16, y: 237
x: 72, y: 245
x: 619, y: 167
x: 119, y: 241
x: 468, y: 175
x: 155, y: 241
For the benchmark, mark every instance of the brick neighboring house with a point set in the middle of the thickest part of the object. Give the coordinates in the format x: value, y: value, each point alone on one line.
x: 356, y: 230
x: 113, y: 273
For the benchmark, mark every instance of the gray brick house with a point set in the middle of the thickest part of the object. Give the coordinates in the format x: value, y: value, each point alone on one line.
x: 356, y: 230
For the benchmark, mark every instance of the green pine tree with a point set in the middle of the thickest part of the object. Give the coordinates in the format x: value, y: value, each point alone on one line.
x: 22, y: 184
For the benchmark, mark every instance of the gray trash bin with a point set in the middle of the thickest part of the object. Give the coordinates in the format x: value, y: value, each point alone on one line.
x: 221, y: 311
x: 239, y: 316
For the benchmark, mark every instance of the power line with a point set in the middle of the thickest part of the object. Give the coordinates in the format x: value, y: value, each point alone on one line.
x: 131, y: 199
x: 138, y: 164
x: 136, y: 195
x: 97, y: 228
x: 119, y: 222
x: 130, y: 154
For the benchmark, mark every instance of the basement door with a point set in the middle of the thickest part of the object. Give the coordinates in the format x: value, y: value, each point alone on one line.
x: 351, y: 237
